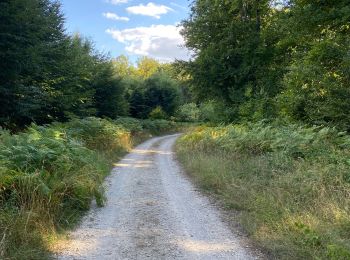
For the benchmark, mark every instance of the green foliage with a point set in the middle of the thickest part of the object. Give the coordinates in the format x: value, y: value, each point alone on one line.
x: 216, y: 112
x: 290, y: 183
x: 100, y: 135
x: 46, y: 75
x: 49, y: 76
x: 159, y: 90
x: 48, y: 178
x: 132, y: 124
x: 159, y: 126
x: 31, y: 38
x: 316, y: 86
x: 234, y: 60
x: 147, y: 126
x: 188, y: 113
x: 151, y: 84
x: 110, y: 100
x: 157, y: 113
x: 264, y: 59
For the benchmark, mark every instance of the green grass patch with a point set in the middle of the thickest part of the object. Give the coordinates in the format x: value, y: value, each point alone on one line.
x: 290, y: 184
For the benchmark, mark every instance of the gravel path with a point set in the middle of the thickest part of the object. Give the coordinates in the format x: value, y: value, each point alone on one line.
x: 154, y: 212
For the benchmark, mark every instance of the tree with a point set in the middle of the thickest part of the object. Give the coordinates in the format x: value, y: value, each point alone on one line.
x: 162, y: 91
x: 109, y: 97
x: 267, y: 58
x: 158, y: 91
x: 31, y: 41
x: 146, y: 67
x: 46, y: 75
x: 123, y: 67
x: 72, y: 89
x: 231, y: 54
x: 317, y: 83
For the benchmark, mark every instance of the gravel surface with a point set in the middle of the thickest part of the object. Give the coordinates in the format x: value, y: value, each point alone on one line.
x: 154, y: 212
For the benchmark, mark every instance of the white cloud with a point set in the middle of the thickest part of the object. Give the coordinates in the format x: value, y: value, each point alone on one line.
x: 116, y: 17
x: 150, y: 9
x: 178, y: 6
x: 117, y: 2
x: 162, y: 42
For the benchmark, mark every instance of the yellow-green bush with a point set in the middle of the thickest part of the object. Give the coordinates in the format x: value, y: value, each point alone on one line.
x: 290, y: 184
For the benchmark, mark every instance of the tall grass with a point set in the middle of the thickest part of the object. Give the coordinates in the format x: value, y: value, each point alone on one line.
x: 290, y: 184
x: 50, y: 174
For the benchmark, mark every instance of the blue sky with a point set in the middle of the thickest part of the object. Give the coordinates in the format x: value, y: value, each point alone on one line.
x: 131, y: 27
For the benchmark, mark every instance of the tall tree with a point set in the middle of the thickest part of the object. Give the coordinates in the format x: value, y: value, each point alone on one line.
x: 31, y: 41
x: 317, y: 84
x: 230, y: 52
x: 146, y: 67
x: 110, y: 99
x: 123, y: 66
x: 162, y: 91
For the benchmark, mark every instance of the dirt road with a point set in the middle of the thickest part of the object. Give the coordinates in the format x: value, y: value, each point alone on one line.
x: 154, y: 212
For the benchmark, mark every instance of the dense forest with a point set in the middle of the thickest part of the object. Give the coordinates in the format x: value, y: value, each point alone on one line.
x: 260, y: 59
x: 252, y: 60
x: 48, y: 75
x: 268, y: 83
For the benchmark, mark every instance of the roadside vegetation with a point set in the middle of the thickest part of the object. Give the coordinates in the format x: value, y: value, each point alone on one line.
x: 289, y: 184
x: 50, y: 174
x: 271, y: 78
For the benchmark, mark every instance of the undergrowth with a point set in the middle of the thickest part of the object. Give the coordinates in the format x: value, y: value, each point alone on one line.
x: 50, y: 174
x: 290, y: 184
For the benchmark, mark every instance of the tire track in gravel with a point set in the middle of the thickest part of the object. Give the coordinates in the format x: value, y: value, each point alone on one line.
x: 153, y: 212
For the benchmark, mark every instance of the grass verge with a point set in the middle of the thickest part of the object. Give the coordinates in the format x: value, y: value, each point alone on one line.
x: 290, y: 184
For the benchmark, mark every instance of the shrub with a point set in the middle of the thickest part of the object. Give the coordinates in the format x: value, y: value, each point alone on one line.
x: 48, y: 177
x: 217, y: 112
x: 158, y: 126
x: 188, y: 113
x: 132, y: 124
x: 158, y: 113
x: 101, y: 135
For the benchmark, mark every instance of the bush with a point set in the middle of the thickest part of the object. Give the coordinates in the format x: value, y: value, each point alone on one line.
x: 158, y: 126
x: 157, y: 113
x: 317, y: 84
x: 100, y: 135
x: 48, y: 177
x: 132, y: 124
x: 217, y: 112
x: 188, y: 113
